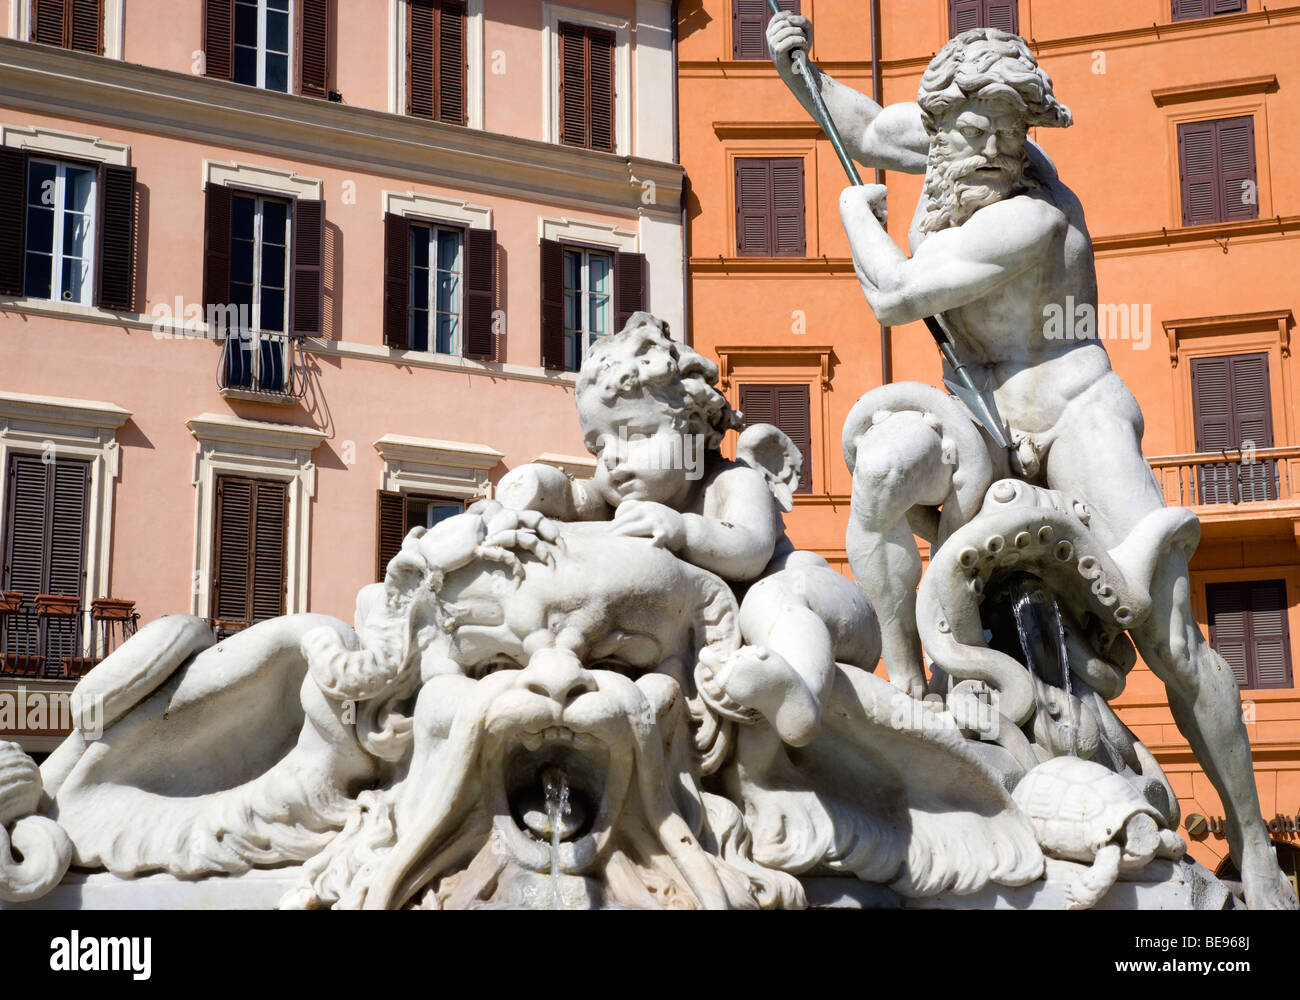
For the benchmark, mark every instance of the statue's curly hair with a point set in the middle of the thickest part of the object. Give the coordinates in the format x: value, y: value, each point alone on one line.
x: 643, y: 360
x: 988, y: 63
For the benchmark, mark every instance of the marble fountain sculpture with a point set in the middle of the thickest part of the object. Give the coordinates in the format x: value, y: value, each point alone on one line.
x: 633, y: 691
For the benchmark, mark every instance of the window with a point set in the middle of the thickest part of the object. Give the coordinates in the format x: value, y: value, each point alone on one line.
x: 280, y: 45
x: 263, y: 282
x: 44, y: 553
x: 587, y: 292
x: 439, y: 287
x: 966, y: 14
x: 1248, y: 628
x: 67, y: 230
x: 787, y: 407
x: 398, y: 513
x: 769, y: 208
x: 248, y: 567
x: 436, y: 69
x: 435, y: 297
x: 587, y: 86
x: 749, y: 27
x: 1216, y: 168
x: 1185, y: 10
x: 262, y: 43
x: 69, y: 24
x: 60, y: 231
x: 1232, y: 410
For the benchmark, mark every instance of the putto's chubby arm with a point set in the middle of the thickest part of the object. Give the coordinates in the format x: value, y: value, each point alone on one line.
x: 891, y: 138
x: 953, y: 267
x: 736, y: 534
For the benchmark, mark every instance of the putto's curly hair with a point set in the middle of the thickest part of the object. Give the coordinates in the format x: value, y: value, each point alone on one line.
x: 643, y: 361
x: 988, y: 63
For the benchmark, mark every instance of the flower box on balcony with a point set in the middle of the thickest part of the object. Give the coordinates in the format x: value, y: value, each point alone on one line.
x: 10, y: 600
x: 57, y: 605
x: 112, y: 609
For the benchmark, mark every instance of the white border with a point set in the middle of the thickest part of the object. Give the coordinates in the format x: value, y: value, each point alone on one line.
x: 53, y: 142
x: 473, y: 61
x: 597, y: 234
x: 445, y: 468
x: 261, y: 178
x: 20, y: 24
x: 78, y: 428
x: 552, y: 15
x: 432, y: 206
x: 264, y: 450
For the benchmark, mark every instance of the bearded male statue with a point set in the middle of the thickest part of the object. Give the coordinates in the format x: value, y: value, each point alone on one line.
x: 996, y: 239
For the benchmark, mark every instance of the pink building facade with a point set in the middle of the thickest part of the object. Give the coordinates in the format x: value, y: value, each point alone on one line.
x: 425, y: 209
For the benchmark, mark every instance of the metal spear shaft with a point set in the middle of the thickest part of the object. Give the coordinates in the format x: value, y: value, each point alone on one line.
x: 965, y: 388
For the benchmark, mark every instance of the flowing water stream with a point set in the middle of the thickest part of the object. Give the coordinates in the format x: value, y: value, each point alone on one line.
x: 556, y: 787
x: 1042, y: 639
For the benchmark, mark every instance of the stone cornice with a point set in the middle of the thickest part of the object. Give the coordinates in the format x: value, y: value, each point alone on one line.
x: 1187, y: 93
x: 49, y: 80
x: 1216, y: 232
x: 212, y: 428
x: 59, y: 410
x: 430, y: 451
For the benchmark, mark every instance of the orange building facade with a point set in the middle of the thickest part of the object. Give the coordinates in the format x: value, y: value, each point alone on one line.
x: 1184, y: 153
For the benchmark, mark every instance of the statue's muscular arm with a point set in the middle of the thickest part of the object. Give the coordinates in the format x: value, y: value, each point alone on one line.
x: 953, y: 267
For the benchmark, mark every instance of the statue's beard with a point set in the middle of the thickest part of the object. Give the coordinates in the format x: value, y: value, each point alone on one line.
x: 954, y: 191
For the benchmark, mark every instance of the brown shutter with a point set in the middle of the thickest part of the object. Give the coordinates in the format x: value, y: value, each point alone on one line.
x: 1227, y: 6
x: 480, y: 283
x: 1252, y: 410
x: 13, y: 219
x: 451, y: 62
x: 1185, y: 10
x: 786, y: 407
x: 270, y: 515
x: 115, y: 287
x: 600, y: 56
x: 313, y: 47
x: 749, y: 27
x: 1232, y: 404
x: 233, y: 534
x: 86, y: 26
x: 68, y: 489
x: 552, y: 259
x: 1249, y: 629
x: 1229, y: 629
x: 574, y: 127
x: 390, y: 529
x: 1215, y: 431
x: 49, y: 21
x: 629, y: 286
x: 1236, y: 155
x: 1002, y: 14
x: 963, y: 15
x: 420, y: 57
x: 787, y: 208
x: 753, y: 207
x: 27, y: 537
x: 397, y: 281
x: 1198, y: 172
x: 308, y: 304
x: 216, y: 246
x: 219, y: 39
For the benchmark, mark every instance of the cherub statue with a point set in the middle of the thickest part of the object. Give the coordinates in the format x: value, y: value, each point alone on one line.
x: 997, y: 239
x: 653, y: 419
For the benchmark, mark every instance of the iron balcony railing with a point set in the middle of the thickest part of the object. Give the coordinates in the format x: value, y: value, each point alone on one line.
x: 52, y: 637
x: 263, y: 365
x: 1231, y: 476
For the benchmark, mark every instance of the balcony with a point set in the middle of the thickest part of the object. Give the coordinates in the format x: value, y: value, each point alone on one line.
x: 51, y: 637
x: 1233, y: 486
x: 262, y: 367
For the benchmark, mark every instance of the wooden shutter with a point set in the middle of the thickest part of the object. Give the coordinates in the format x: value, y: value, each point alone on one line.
x: 1238, y: 187
x: 435, y: 59
x: 600, y: 55
x: 219, y: 39
x: 86, y: 26
x: 45, y: 533
x: 480, y: 284
x: 963, y: 15
x: 249, y: 556
x: 49, y: 21
x: 216, y: 246
x: 629, y: 286
x: 390, y: 529
x: 451, y: 62
x: 787, y: 208
x: 1231, y: 405
x: 770, y: 207
x: 786, y: 407
x: 753, y: 208
x: 13, y: 219
x: 1249, y: 629
x: 574, y: 104
x: 68, y: 486
x: 1002, y: 14
x: 587, y: 87
x: 552, y: 286
x: 1253, y: 422
x: 1185, y: 10
x: 1227, y: 6
x: 115, y: 282
x: 749, y: 27
x: 1198, y: 172
x: 397, y: 281
x: 313, y: 47
x: 308, y: 302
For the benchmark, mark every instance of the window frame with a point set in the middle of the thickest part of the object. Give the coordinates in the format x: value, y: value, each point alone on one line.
x: 1210, y: 12
x: 434, y: 226
x: 1252, y: 667
x: 552, y: 113
x: 574, y: 336
x: 736, y: 42
x: 56, y: 245
x: 261, y: 347
x: 261, y: 50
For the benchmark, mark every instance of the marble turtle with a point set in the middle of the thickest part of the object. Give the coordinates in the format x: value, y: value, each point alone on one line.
x: 1080, y: 811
